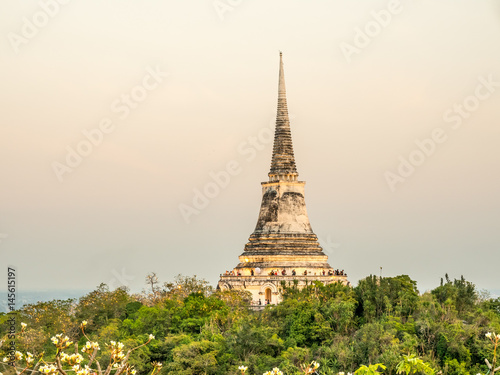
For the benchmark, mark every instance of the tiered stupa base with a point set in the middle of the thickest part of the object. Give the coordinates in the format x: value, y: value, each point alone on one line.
x: 268, y: 289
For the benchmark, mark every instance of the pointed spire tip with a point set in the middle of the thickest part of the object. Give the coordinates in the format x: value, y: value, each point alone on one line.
x: 283, y: 161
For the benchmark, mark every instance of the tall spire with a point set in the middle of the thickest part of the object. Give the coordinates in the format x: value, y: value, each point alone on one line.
x: 282, y: 162
x: 283, y: 239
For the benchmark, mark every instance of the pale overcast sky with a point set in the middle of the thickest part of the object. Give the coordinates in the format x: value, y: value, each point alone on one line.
x: 395, y: 123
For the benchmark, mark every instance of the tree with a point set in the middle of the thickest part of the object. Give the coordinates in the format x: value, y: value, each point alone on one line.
x: 370, y: 370
x: 461, y: 294
x: 186, y: 285
x: 102, y: 305
x: 410, y: 365
x: 152, y: 281
x: 379, y: 296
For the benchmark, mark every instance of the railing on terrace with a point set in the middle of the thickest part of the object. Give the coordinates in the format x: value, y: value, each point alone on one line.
x: 283, y: 277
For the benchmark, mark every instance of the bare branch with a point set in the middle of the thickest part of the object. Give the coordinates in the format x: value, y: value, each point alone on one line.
x: 98, y: 367
x: 487, y: 363
x: 59, y: 366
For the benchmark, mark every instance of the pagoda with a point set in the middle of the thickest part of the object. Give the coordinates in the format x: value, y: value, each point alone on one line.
x: 283, y: 246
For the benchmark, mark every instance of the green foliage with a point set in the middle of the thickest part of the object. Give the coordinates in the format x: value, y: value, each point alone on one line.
x: 315, y: 314
x: 375, y: 369
x: 378, y: 297
x: 102, y: 305
x: 44, y: 320
x: 370, y: 341
x: 492, y: 308
x: 253, y: 338
x: 195, y: 357
x: 410, y: 364
x: 459, y: 294
x: 183, y: 286
x: 199, y: 331
x: 454, y: 367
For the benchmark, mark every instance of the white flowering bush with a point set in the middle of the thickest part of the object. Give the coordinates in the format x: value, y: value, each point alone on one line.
x: 311, y: 368
x: 495, y: 339
x: 275, y: 371
x: 85, y: 363
x: 307, y: 368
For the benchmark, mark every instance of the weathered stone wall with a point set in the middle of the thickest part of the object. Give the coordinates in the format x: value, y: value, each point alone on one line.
x: 283, y: 208
x: 257, y: 285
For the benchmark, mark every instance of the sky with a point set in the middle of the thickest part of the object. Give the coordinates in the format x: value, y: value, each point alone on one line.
x: 135, y: 136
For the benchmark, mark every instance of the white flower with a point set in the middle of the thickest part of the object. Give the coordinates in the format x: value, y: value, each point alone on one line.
x: 72, y: 359
x: 151, y: 337
x: 133, y: 371
x: 83, y: 371
x: 19, y: 356
x: 48, y: 369
x: 92, y: 345
x: 23, y: 325
x: 60, y: 341
x: 315, y: 364
x: 341, y: 373
x: 488, y: 335
x: 498, y: 336
x: 5, y: 359
x: 84, y: 323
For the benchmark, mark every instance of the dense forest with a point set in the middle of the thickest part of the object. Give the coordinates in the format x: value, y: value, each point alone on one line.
x: 185, y: 327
